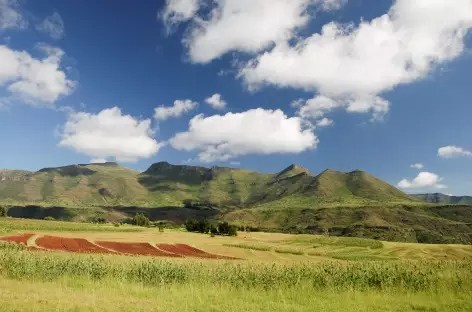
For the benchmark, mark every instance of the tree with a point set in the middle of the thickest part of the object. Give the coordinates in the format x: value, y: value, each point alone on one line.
x: 141, y: 220
x: 213, y: 229
x: 3, y: 211
x: 190, y: 225
x: 233, y: 230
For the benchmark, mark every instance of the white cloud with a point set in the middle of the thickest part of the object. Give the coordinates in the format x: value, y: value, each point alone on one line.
x: 35, y: 81
x: 98, y: 161
x: 248, y: 26
x: 109, y: 134
x: 423, y: 180
x: 178, y: 11
x: 453, y: 151
x: 10, y: 17
x: 179, y: 108
x: 53, y: 26
x: 256, y: 131
x: 417, y: 166
x: 234, y: 163
x: 216, y: 101
x: 316, y: 107
x: 325, y: 122
x: 353, y: 65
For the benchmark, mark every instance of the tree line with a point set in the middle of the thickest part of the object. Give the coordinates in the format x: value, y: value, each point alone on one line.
x: 204, y: 226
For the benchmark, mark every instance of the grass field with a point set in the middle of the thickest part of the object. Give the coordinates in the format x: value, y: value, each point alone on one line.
x: 278, y: 272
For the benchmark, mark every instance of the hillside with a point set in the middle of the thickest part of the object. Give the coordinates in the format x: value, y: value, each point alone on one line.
x: 164, y: 185
x: 73, y: 186
x: 438, y: 198
x: 292, y: 200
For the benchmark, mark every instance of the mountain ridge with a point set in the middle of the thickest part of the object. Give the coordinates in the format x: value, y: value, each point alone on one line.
x: 292, y: 200
x: 165, y: 184
x: 439, y: 198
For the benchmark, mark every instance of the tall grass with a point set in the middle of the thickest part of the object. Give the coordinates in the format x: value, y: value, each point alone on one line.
x: 250, y: 247
x: 403, y: 275
x: 336, y: 241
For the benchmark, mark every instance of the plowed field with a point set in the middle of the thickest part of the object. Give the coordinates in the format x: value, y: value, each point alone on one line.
x: 19, y: 239
x: 188, y: 251
x: 69, y: 244
x: 136, y: 249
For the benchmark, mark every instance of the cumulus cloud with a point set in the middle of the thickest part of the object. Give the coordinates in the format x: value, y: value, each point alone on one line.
x: 453, y: 151
x: 353, y: 65
x: 53, y: 26
x: 10, y: 17
x: 109, y: 134
x: 35, y: 81
x: 423, y: 180
x: 216, y: 101
x: 98, y: 161
x: 256, y: 131
x: 178, y: 11
x: 325, y: 122
x: 417, y: 166
x: 179, y: 108
x: 248, y: 26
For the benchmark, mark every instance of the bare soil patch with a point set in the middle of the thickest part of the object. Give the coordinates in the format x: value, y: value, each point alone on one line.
x: 145, y: 249
x: 189, y: 251
x: 19, y: 239
x: 69, y: 244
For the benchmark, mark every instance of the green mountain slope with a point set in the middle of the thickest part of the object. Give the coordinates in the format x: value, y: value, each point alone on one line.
x: 438, y: 198
x: 164, y: 185
x: 292, y: 200
x: 75, y: 185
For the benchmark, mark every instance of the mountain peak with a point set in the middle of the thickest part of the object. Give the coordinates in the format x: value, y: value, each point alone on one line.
x: 291, y: 171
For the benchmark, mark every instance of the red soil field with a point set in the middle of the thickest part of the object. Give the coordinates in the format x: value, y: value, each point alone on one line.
x: 188, y: 251
x: 136, y: 249
x: 19, y: 239
x: 81, y: 245
x: 69, y: 244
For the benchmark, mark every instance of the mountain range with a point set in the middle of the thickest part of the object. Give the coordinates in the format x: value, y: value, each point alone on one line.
x: 292, y: 200
x: 165, y: 185
x: 438, y: 198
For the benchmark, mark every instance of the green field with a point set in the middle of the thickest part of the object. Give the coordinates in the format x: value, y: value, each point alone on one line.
x: 277, y: 272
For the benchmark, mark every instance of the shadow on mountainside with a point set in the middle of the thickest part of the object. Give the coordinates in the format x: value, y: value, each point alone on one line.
x: 174, y: 214
x: 37, y: 212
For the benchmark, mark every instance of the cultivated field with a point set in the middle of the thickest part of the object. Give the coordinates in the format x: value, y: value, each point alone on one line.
x: 50, y: 270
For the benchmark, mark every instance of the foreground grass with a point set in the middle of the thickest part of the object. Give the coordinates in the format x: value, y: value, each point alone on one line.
x: 71, y: 282
x: 12, y: 224
x: 83, y: 295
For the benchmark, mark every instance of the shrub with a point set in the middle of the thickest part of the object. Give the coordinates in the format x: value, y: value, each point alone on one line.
x: 49, y: 218
x: 232, y: 231
x: 3, y: 211
x: 100, y: 220
x: 141, y: 220
x: 116, y: 224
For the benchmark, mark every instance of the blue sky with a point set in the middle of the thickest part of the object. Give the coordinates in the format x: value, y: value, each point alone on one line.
x: 80, y: 81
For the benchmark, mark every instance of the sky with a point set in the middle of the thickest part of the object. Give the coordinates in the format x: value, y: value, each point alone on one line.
x: 382, y: 86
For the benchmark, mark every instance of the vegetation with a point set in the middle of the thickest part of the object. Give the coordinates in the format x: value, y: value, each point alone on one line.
x: 413, y: 276
x: 49, y: 218
x: 438, y: 198
x: 204, y: 227
x: 250, y: 247
x: 372, y: 286
x: 353, y: 204
x: 3, y: 211
x: 141, y: 220
x: 11, y: 224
